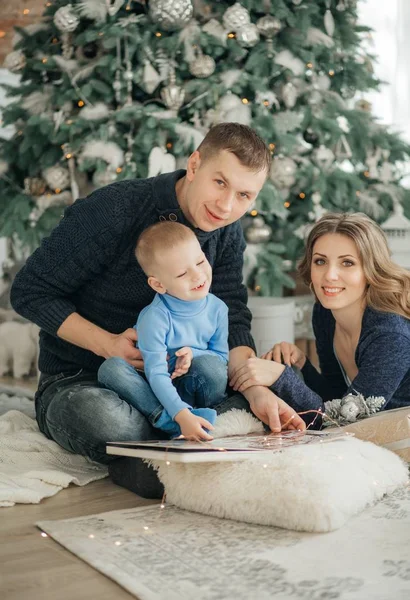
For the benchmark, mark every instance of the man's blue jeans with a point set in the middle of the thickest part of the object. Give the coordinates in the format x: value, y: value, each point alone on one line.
x: 81, y: 416
x: 204, y: 386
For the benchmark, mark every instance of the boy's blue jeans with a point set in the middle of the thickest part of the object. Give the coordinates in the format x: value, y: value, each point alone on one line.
x: 204, y: 386
x: 81, y: 416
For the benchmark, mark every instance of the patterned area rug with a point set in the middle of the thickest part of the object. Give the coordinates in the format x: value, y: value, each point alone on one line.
x: 172, y: 554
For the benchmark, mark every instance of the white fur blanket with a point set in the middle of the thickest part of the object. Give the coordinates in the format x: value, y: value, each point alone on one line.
x: 33, y: 467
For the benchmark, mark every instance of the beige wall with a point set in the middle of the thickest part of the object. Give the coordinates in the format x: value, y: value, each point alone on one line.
x: 12, y: 14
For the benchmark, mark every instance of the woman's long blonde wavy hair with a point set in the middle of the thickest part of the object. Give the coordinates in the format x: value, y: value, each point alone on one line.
x: 388, y: 288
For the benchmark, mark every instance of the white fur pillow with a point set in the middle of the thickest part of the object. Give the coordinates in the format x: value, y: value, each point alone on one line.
x: 307, y: 488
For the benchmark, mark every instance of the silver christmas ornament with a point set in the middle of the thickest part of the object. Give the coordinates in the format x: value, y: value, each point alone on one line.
x: 248, y: 35
x: 34, y: 186
x: 15, y: 61
x: 173, y: 95
x: 65, y: 19
x: 57, y: 178
x: 324, y: 157
x: 289, y: 94
x: 236, y: 17
x: 269, y: 26
x: 203, y: 66
x: 171, y: 14
x: 258, y: 232
x: 283, y: 171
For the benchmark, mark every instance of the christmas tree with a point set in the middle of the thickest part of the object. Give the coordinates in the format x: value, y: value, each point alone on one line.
x: 115, y: 89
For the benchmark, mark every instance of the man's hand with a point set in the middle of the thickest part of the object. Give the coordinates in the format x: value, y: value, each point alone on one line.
x: 272, y: 410
x: 192, y: 426
x: 123, y: 345
x: 183, y: 363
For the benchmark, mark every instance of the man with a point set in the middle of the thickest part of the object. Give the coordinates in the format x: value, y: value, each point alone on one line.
x: 84, y: 287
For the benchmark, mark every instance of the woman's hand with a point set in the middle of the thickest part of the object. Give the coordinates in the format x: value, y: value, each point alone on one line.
x: 286, y: 353
x: 255, y: 371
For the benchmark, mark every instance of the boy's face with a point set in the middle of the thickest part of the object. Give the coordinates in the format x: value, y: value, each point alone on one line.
x: 183, y: 272
x: 220, y: 191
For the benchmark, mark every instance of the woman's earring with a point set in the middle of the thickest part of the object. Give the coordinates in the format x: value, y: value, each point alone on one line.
x: 311, y: 287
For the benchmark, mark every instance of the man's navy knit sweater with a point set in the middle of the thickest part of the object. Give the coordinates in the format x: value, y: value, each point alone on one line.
x: 87, y: 265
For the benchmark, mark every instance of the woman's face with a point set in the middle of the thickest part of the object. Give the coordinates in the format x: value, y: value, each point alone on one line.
x: 336, y: 271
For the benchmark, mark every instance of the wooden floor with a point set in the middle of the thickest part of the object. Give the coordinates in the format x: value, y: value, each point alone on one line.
x: 33, y: 567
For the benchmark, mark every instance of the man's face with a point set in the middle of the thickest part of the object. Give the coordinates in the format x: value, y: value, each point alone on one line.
x: 220, y: 190
x: 183, y: 272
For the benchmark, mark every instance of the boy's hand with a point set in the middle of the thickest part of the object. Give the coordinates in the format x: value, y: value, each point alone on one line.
x: 184, y: 360
x: 192, y: 426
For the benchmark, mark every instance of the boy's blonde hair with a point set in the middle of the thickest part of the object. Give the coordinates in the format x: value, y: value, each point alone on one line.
x: 159, y: 238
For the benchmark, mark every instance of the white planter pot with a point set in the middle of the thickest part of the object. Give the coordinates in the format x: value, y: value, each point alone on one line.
x: 272, y: 321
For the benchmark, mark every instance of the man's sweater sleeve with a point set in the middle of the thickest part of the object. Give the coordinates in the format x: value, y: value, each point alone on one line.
x: 78, y: 249
x: 228, y: 286
x: 152, y: 328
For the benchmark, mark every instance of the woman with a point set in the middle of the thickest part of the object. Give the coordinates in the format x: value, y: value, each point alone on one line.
x: 361, y: 321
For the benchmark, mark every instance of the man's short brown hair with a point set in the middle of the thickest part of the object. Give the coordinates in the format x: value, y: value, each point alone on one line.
x: 248, y: 147
x: 159, y: 238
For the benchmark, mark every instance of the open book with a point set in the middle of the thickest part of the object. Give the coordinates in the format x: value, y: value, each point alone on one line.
x: 232, y: 448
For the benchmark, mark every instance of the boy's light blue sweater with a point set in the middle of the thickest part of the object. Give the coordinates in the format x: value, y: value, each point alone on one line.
x: 167, y: 325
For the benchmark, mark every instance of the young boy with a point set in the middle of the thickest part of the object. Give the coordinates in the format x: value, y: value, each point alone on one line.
x: 182, y: 335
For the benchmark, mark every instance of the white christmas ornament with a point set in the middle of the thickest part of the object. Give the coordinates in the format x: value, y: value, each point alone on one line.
x: 372, y: 160
x: 283, y: 171
x: 248, y: 35
x: 15, y: 61
x: 65, y: 19
x: 235, y: 17
x: 151, y: 77
x: 57, y: 178
x: 329, y: 21
x: 289, y: 94
x: 386, y: 171
x: 343, y: 123
x: 37, y: 103
x: 202, y: 66
x: 269, y: 26
x: 258, y: 232
x: 160, y: 161
x: 170, y: 15
x: 324, y: 157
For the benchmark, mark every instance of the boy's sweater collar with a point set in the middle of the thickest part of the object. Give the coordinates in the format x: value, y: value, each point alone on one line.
x: 167, y: 206
x: 183, y: 307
